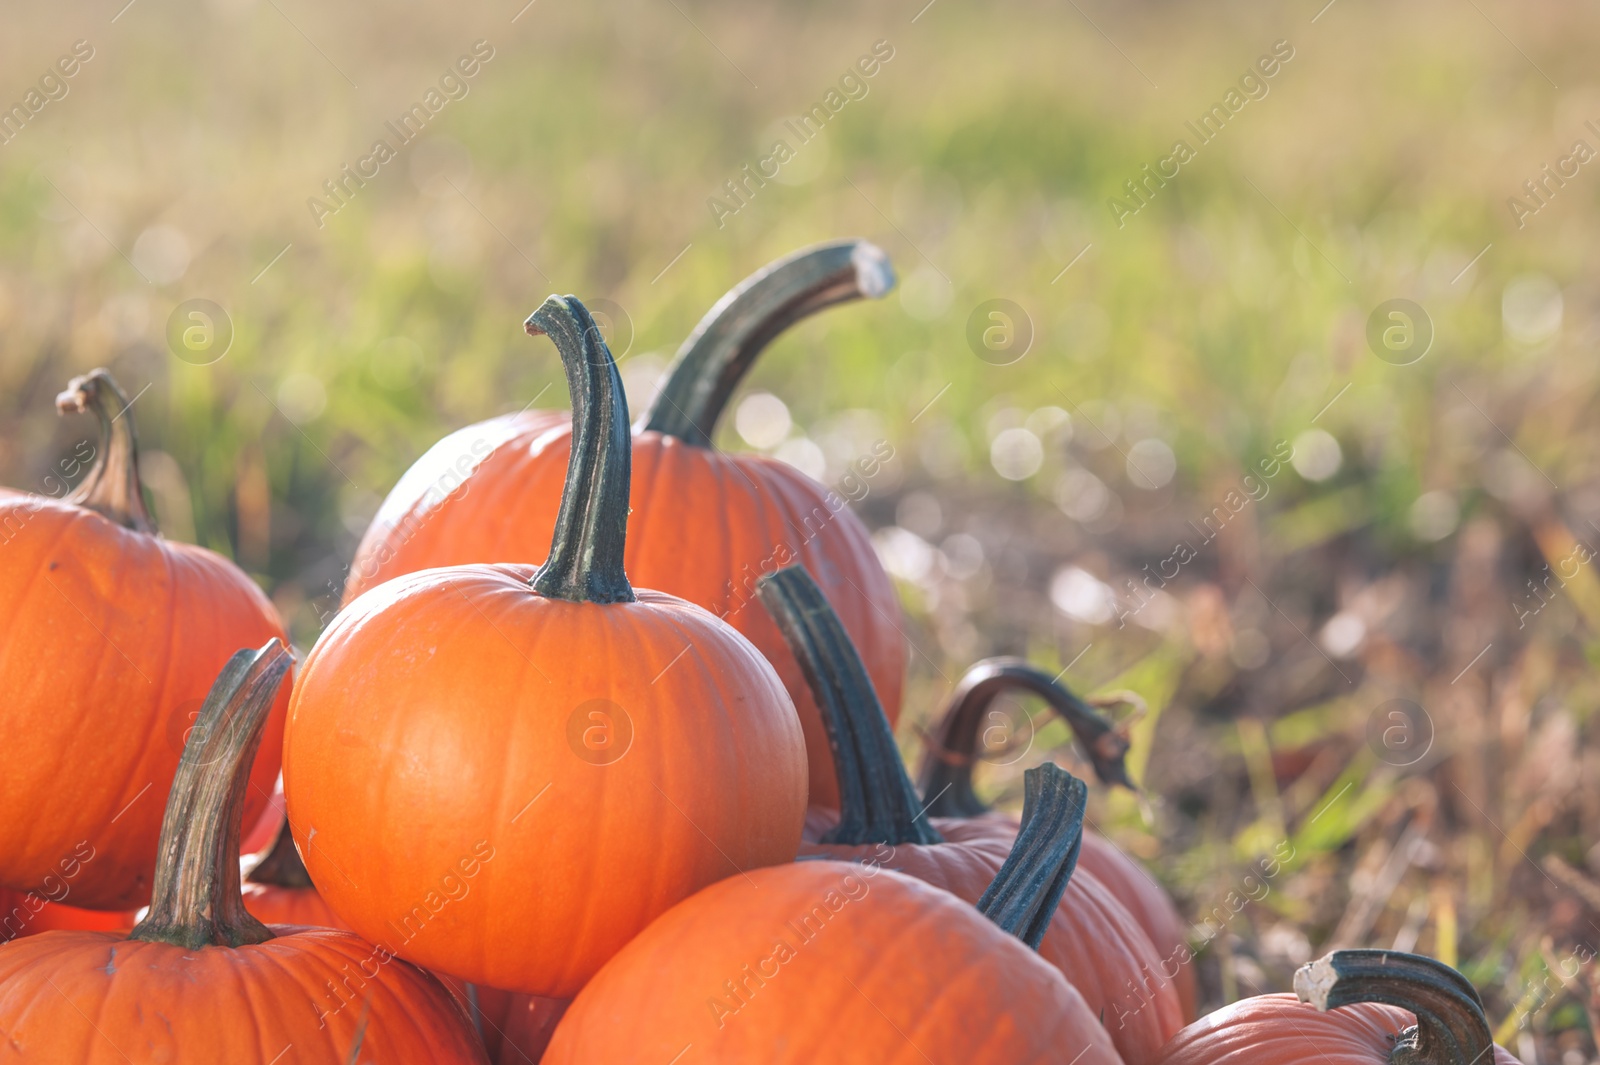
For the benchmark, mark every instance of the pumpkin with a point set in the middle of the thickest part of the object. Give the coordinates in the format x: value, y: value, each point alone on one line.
x: 947, y: 789
x: 416, y: 522
x: 22, y: 913
x: 514, y: 1027
x: 505, y: 774
x: 1093, y: 940
x: 199, y: 980
x: 109, y: 637
x: 706, y: 524
x: 278, y: 890
x: 849, y: 963
x: 1352, y: 1007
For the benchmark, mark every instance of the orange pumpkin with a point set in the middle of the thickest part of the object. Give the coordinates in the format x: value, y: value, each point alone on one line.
x: 848, y: 963
x: 1093, y: 940
x: 199, y: 980
x: 22, y: 913
x: 947, y: 789
x: 514, y: 1027
x: 706, y: 524
x: 278, y: 890
x: 109, y: 637
x: 1352, y: 1007
x: 505, y: 776
x: 415, y: 524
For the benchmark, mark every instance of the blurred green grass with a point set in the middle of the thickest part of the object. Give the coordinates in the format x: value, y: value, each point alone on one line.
x: 590, y: 163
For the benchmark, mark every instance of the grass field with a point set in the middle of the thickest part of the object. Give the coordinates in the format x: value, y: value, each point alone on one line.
x: 1423, y: 534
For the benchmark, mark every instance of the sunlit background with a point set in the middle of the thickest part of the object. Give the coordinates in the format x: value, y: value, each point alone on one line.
x: 1175, y: 346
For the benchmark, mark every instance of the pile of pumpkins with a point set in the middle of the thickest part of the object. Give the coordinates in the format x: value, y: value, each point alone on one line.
x: 531, y: 810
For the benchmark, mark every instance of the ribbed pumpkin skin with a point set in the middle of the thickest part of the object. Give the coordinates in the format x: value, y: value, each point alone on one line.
x: 1277, y: 1029
x: 1152, y: 908
x: 515, y: 1027
x: 420, y: 519
x: 422, y: 732
x: 156, y: 1002
x: 109, y: 640
x: 703, y: 527
x: 902, y: 974
x: 21, y: 916
x: 1143, y: 898
x: 1093, y: 940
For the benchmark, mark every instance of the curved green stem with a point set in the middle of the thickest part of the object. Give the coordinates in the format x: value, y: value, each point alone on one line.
x: 281, y: 865
x: 1025, y: 892
x: 196, y: 901
x: 725, y: 344
x: 877, y: 803
x: 111, y: 488
x: 946, y: 775
x: 1451, y: 1028
x: 585, y: 563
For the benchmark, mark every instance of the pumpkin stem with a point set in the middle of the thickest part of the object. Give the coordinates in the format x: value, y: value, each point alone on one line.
x: 710, y: 364
x: 196, y: 901
x: 877, y: 802
x: 281, y: 865
x: 947, y: 766
x: 1025, y: 892
x: 111, y: 488
x: 1451, y: 1028
x: 585, y: 563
